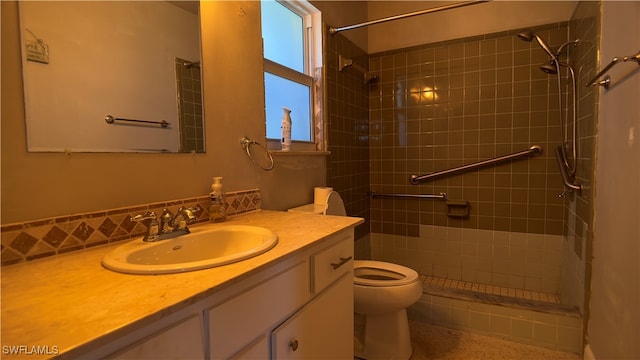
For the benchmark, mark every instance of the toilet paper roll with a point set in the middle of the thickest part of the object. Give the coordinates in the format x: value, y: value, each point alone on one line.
x: 320, y: 194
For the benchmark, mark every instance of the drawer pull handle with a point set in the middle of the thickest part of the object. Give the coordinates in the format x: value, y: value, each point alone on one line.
x: 342, y: 262
x: 293, y: 344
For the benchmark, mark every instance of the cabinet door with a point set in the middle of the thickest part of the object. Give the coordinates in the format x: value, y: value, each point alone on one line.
x: 236, y: 323
x: 323, y: 329
x: 178, y: 341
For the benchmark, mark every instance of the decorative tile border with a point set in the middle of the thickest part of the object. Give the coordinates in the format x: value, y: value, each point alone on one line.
x: 32, y: 240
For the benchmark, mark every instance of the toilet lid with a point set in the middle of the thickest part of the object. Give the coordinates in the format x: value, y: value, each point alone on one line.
x: 380, y: 273
x: 335, y: 205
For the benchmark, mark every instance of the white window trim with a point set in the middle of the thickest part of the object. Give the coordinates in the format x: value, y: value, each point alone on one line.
x: 287, y: 73
x: 312, y: 23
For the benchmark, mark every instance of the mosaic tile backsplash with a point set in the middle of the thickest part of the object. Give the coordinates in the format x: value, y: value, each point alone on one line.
x: 47, y: 237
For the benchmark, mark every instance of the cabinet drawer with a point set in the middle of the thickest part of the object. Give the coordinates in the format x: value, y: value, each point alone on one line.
x: 243, y: 318
x: 329, y: 264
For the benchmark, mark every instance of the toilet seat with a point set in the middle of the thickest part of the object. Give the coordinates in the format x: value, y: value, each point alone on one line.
x: 382, y: 274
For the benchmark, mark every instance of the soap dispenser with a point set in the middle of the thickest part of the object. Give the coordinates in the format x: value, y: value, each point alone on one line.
x: 217, y: 205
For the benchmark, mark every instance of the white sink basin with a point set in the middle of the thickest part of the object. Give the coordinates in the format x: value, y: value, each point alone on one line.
x: 204, y: 247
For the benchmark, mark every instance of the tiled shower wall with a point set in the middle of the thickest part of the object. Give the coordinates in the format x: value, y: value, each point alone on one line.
x: 347, y: 106
x: 499, y: 258
x: 189, y: 89
x: 447, y: 104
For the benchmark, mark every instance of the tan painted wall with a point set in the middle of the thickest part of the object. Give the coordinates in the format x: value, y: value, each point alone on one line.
x: 39, y: 185
x: 471, y: 20
x: 614, y: 325
x: 343, y: 13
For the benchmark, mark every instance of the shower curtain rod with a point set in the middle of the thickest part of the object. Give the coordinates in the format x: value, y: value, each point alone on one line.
x: 333, y: 30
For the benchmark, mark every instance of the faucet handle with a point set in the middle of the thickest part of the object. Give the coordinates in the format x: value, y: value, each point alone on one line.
x: 148, y: 215
x: 189, y: 211
x: 166, y: 215
x: 193, y: 209
x: 187, y: 215
x: 152, y: 234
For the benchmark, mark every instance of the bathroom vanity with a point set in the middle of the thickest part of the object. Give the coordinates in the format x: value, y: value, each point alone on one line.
x: 294, y: 301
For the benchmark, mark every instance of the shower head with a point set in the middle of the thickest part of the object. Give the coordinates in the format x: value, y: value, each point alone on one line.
x: 526, y: 35
x: 529, y: 35
x: 549, y: 67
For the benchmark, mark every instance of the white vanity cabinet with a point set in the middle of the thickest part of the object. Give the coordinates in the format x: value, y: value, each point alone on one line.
x: 297, y: 307
x: 305, y: 310
x: 320, y: 330
x: 300, y: 290
x: 241, y: 324
x: 177, y: 341
x: 323, y: 328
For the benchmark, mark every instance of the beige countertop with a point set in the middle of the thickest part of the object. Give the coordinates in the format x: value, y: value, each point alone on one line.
x: 70, y: 301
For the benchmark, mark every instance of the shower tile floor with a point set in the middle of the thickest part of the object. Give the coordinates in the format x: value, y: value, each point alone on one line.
x: 489, y: 289
x: 488, y: 294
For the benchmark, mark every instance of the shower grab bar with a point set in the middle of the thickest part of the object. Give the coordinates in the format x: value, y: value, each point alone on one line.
x: 441, y: 196
x: 111, y: 119
x: 333, y: 30
x: 567, y: 179
x: 534, y: 150
x: 607, y: 79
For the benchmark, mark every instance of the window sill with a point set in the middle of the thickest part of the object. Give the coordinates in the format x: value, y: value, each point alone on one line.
x: 299, y: 153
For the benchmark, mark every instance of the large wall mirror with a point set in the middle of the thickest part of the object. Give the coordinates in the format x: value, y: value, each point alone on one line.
x: 112, y: 76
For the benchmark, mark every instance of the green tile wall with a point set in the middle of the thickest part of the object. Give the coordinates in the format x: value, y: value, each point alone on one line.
x: 347, y: 106
x: 443, y: 105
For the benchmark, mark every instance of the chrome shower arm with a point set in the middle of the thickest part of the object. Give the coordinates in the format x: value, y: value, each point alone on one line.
x: 572, y: 42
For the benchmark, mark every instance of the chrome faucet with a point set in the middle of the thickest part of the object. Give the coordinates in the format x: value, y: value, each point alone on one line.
x: 167, y: 225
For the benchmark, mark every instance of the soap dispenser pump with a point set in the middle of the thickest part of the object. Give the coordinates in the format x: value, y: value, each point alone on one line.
x: 217, y: 205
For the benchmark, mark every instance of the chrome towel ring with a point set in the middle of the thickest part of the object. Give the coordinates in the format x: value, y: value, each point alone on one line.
x: 246, y: 143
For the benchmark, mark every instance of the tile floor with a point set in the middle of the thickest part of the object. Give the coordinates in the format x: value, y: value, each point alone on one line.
x: 435, y: 342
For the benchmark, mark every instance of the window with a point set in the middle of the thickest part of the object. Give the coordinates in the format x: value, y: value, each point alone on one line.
x: 291, y: 33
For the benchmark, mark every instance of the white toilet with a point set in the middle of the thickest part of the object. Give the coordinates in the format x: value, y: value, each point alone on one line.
x: 382, y: 293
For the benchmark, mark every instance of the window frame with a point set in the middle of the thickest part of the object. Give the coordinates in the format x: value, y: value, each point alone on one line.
x: 312, y: 42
